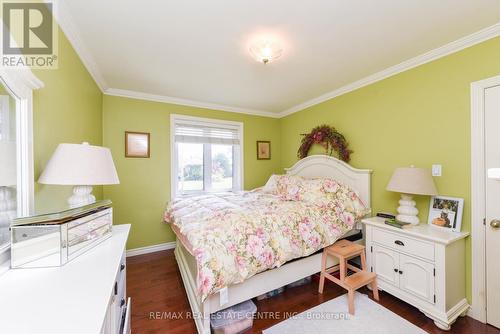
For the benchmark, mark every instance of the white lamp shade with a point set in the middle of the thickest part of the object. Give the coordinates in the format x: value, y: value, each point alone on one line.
x: 494, y: 174
x: 80, y: 164
x: 8, y: 176
x: 412, y: 180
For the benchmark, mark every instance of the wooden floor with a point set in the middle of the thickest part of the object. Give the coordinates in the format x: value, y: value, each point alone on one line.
x: 160, y: 305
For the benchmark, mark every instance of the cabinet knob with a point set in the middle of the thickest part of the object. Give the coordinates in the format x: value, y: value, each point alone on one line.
x: 401, y: 272
x: 122, y: 302
x: 122, y: 266
x: 399, y: 242
x: 395, y: 270
x: 495, y: 223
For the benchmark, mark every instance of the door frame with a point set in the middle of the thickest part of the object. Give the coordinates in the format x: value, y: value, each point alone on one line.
x: 478, y: 196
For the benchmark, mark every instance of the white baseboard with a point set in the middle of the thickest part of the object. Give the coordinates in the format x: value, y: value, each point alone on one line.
x: 150, y: 249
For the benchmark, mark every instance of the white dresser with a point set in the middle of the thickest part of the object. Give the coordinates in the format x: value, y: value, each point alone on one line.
x: 422, y: 265
x: 85, y: 296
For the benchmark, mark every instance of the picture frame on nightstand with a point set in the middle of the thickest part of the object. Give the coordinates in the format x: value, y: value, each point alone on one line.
x: 446, y: 212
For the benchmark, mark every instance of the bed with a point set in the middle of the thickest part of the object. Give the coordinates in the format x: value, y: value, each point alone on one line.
x: 316, y: 166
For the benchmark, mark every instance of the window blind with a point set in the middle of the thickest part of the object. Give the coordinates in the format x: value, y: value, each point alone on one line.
x: 205, y: 134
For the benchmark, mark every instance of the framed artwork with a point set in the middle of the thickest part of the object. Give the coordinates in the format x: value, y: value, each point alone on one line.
x: 263, y: 150
x: 446, y: 212
x: 136, y: 144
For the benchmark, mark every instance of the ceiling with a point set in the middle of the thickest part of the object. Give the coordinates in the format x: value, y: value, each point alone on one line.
x: 196, y: 52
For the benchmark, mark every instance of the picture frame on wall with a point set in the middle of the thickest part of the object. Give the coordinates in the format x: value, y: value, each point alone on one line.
x: 263, y: 150
x: 137, y: 144
x: 446, y: 212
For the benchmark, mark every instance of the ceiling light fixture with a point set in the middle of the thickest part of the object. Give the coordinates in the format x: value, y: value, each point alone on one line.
x: 266, y: 51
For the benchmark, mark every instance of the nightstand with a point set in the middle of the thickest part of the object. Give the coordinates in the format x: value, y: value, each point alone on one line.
x: 422, y: 265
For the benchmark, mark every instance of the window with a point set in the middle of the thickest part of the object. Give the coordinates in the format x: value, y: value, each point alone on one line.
x: 206, y: 155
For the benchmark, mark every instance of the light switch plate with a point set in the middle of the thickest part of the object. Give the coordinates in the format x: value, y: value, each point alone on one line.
x: 437, y: 170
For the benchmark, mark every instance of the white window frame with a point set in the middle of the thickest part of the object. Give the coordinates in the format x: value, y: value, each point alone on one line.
x: 201, y: 121
x: 21, y: 83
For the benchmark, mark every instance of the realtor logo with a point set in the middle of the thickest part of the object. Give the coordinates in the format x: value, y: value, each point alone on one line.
x: 29, y: 35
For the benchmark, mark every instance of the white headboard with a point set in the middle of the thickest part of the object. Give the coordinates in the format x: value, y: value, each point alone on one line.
x: 326, y: 166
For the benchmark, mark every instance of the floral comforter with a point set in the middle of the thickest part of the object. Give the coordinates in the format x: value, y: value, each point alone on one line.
x: 237, y: 235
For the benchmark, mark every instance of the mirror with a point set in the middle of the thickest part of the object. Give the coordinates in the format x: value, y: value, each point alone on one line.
x: 8, y: 163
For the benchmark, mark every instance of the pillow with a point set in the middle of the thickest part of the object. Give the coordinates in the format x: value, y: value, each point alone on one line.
x: 271, y: 186
x: 311, y: 190
x: 320, y: 191
x: 294, y: 188
x: 323, y: 192
x: 347, y: 200
x: 287, y: 187
x: 290, y: 187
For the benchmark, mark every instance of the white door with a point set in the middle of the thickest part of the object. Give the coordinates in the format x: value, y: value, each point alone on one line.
x: 492, y: 151
x: 416, y: 277
x: 386, y: 264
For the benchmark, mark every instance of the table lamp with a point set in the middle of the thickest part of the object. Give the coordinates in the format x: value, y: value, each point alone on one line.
x: 82, y: 166
x: 411, y: 181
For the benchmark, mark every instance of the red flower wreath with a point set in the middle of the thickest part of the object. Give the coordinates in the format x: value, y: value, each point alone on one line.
x: 327, y: 137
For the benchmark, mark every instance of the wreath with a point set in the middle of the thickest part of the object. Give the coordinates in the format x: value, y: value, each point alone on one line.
x: 329, y: 138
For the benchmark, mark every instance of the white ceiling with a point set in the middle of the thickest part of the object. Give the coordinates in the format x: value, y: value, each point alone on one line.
x: 197, y: 51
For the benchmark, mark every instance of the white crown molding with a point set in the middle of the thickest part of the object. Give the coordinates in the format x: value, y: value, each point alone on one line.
x: 21, y: 80
x: 150, y: 249
x: 455, y: 46
x: 66, y: 23
x: 186, y: 102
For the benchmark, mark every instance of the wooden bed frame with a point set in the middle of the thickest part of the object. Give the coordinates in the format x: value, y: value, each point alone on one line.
x: 312, y: 166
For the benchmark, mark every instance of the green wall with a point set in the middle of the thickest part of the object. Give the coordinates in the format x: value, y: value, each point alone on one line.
x: 144, y: 187
x: 68, y: 109
x: 420, y: 117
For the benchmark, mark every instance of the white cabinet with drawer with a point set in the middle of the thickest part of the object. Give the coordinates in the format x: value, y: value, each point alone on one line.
x: 422, y: 265
x: 85, y: 296
x: 117, y: 319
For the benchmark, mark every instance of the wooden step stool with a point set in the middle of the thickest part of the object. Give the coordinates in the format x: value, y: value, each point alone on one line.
x: 345, y: 250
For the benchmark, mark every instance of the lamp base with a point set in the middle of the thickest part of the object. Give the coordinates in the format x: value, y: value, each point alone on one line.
x: 408, y: 213
x: 82, y: 195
